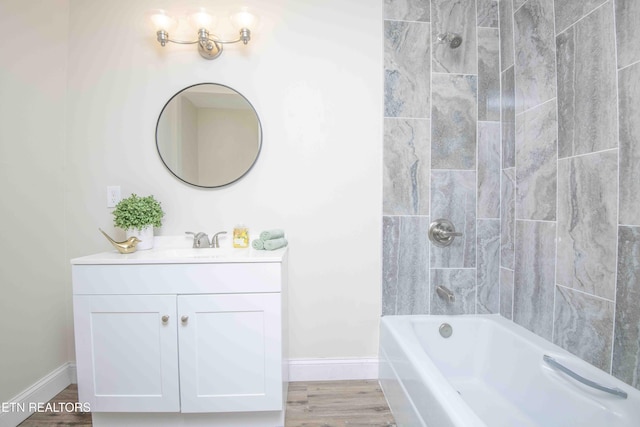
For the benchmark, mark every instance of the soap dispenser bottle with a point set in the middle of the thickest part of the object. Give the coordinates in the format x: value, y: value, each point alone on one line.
x: 240, y: 236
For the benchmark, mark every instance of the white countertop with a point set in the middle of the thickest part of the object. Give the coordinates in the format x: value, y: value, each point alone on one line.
x: 178, y: 250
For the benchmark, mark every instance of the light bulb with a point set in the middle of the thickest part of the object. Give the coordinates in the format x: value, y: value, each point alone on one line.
x: 200, y: 18
x: 244, y: 18
x: 162, y: 21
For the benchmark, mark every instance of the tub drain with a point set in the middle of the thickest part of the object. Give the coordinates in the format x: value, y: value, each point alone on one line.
x: 446, y: 330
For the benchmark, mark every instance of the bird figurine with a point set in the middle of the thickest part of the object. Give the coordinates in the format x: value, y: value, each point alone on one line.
x: 126, y: 247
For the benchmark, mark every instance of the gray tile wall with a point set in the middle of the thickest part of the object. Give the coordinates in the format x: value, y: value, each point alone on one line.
x: 545, y: 187
x: 570, y: 211
x: 535, y: 70
x: 442, y: 156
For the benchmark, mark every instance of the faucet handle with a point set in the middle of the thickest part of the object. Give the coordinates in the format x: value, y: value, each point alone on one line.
x: 442, y: 232
x: 214, y: 239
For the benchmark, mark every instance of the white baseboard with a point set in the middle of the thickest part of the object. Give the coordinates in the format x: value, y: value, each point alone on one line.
x: 332, y: 369
x: 20, y: 407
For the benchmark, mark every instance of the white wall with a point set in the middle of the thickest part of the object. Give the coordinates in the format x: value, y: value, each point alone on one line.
x: 34, y: 275
x: 314, y: 74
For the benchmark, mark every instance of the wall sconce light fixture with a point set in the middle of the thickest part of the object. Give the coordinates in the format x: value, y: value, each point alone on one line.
x: 209, y: 45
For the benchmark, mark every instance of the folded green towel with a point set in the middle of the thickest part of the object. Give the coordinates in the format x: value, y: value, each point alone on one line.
x: 258, y: 244
x: 272, y: 234
x: 275, y: 244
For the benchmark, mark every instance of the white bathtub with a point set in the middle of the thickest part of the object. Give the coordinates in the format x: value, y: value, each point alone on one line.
x: 491, y: 373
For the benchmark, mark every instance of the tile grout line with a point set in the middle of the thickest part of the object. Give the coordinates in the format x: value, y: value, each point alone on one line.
x: 515, y: 181
x: 557, y: 128
x: 615, y: 277
x: 429, y: 248
x: 477, y: 163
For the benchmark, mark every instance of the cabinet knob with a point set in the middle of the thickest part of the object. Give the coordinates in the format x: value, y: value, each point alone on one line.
x: 184, y: 319
x: 165, y: 318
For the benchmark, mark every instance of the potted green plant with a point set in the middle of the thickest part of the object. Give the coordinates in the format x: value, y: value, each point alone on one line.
x: 137, y: 216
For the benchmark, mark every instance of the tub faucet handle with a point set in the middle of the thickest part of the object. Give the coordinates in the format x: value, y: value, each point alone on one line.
x: 442, y: 232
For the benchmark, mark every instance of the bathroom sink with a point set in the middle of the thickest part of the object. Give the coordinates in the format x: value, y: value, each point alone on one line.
x: 191, y: 253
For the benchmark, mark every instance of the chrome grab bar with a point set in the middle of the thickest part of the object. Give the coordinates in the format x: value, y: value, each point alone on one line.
x: 555, y: 364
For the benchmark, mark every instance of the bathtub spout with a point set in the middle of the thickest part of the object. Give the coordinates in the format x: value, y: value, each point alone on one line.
x: 445, y: 294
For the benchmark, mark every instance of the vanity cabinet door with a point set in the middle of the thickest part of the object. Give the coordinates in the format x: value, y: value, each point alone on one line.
x: 127, y: 354
x: 230, y: 352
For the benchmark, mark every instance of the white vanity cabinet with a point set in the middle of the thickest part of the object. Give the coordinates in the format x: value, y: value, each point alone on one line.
x: 126, y: 356
x: 184, y: 341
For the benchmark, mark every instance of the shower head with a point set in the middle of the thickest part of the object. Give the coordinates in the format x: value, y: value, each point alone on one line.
x: 452, y: 39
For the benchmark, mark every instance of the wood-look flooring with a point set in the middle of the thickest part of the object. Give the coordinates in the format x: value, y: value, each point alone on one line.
x: 310, y: 404
x: 47, y: 419
x: 337, y: 404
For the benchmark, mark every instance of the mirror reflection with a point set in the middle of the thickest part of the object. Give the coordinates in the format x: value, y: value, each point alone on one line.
x: 208, y: 135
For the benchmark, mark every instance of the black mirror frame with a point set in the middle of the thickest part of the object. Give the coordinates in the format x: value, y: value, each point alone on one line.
x: 210, y: 186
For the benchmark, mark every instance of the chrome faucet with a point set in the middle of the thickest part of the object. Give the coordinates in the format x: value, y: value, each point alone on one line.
x: 445, y: 294
x: 200, y: 239
x: 214, y: 239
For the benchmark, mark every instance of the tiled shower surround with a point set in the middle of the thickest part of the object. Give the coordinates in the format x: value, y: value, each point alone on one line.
x: 527, y: 137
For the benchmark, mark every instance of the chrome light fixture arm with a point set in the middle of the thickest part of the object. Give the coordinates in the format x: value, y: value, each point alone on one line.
x: 209, y: 46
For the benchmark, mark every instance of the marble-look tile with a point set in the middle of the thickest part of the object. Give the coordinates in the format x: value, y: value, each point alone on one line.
x: 508, y: 101
x: 508, y: 218
x: 488, y: 13
x: 626, y: 347
x: 488, y: 268
x: 629, y: 95
x: 587, y: 223
x: 583, y: 325
x: 518, y: 3
x: 390, y: 267
x: 462, y: 282
x: 407, y: 68
x: 488, y: 74
x: 568, y: 12
x: 505, y: 8
x: 627, y: 31
x: 405, y: 265
x: 534, y: 276
x: 453, y: 122
x: 587, y: 102
x: 536, y: 160
x: 506, y: 293
x: 489, y: 170
x: 407, y: 10
x: 534, y: 39
x: 457, y: 17
x: 407, y: 164
x: 453, y: 197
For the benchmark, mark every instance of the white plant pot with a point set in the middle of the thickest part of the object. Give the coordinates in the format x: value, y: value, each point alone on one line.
x: 145, y: 235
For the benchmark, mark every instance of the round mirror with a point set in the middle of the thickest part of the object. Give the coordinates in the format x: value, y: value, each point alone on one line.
x: 208, y: 135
